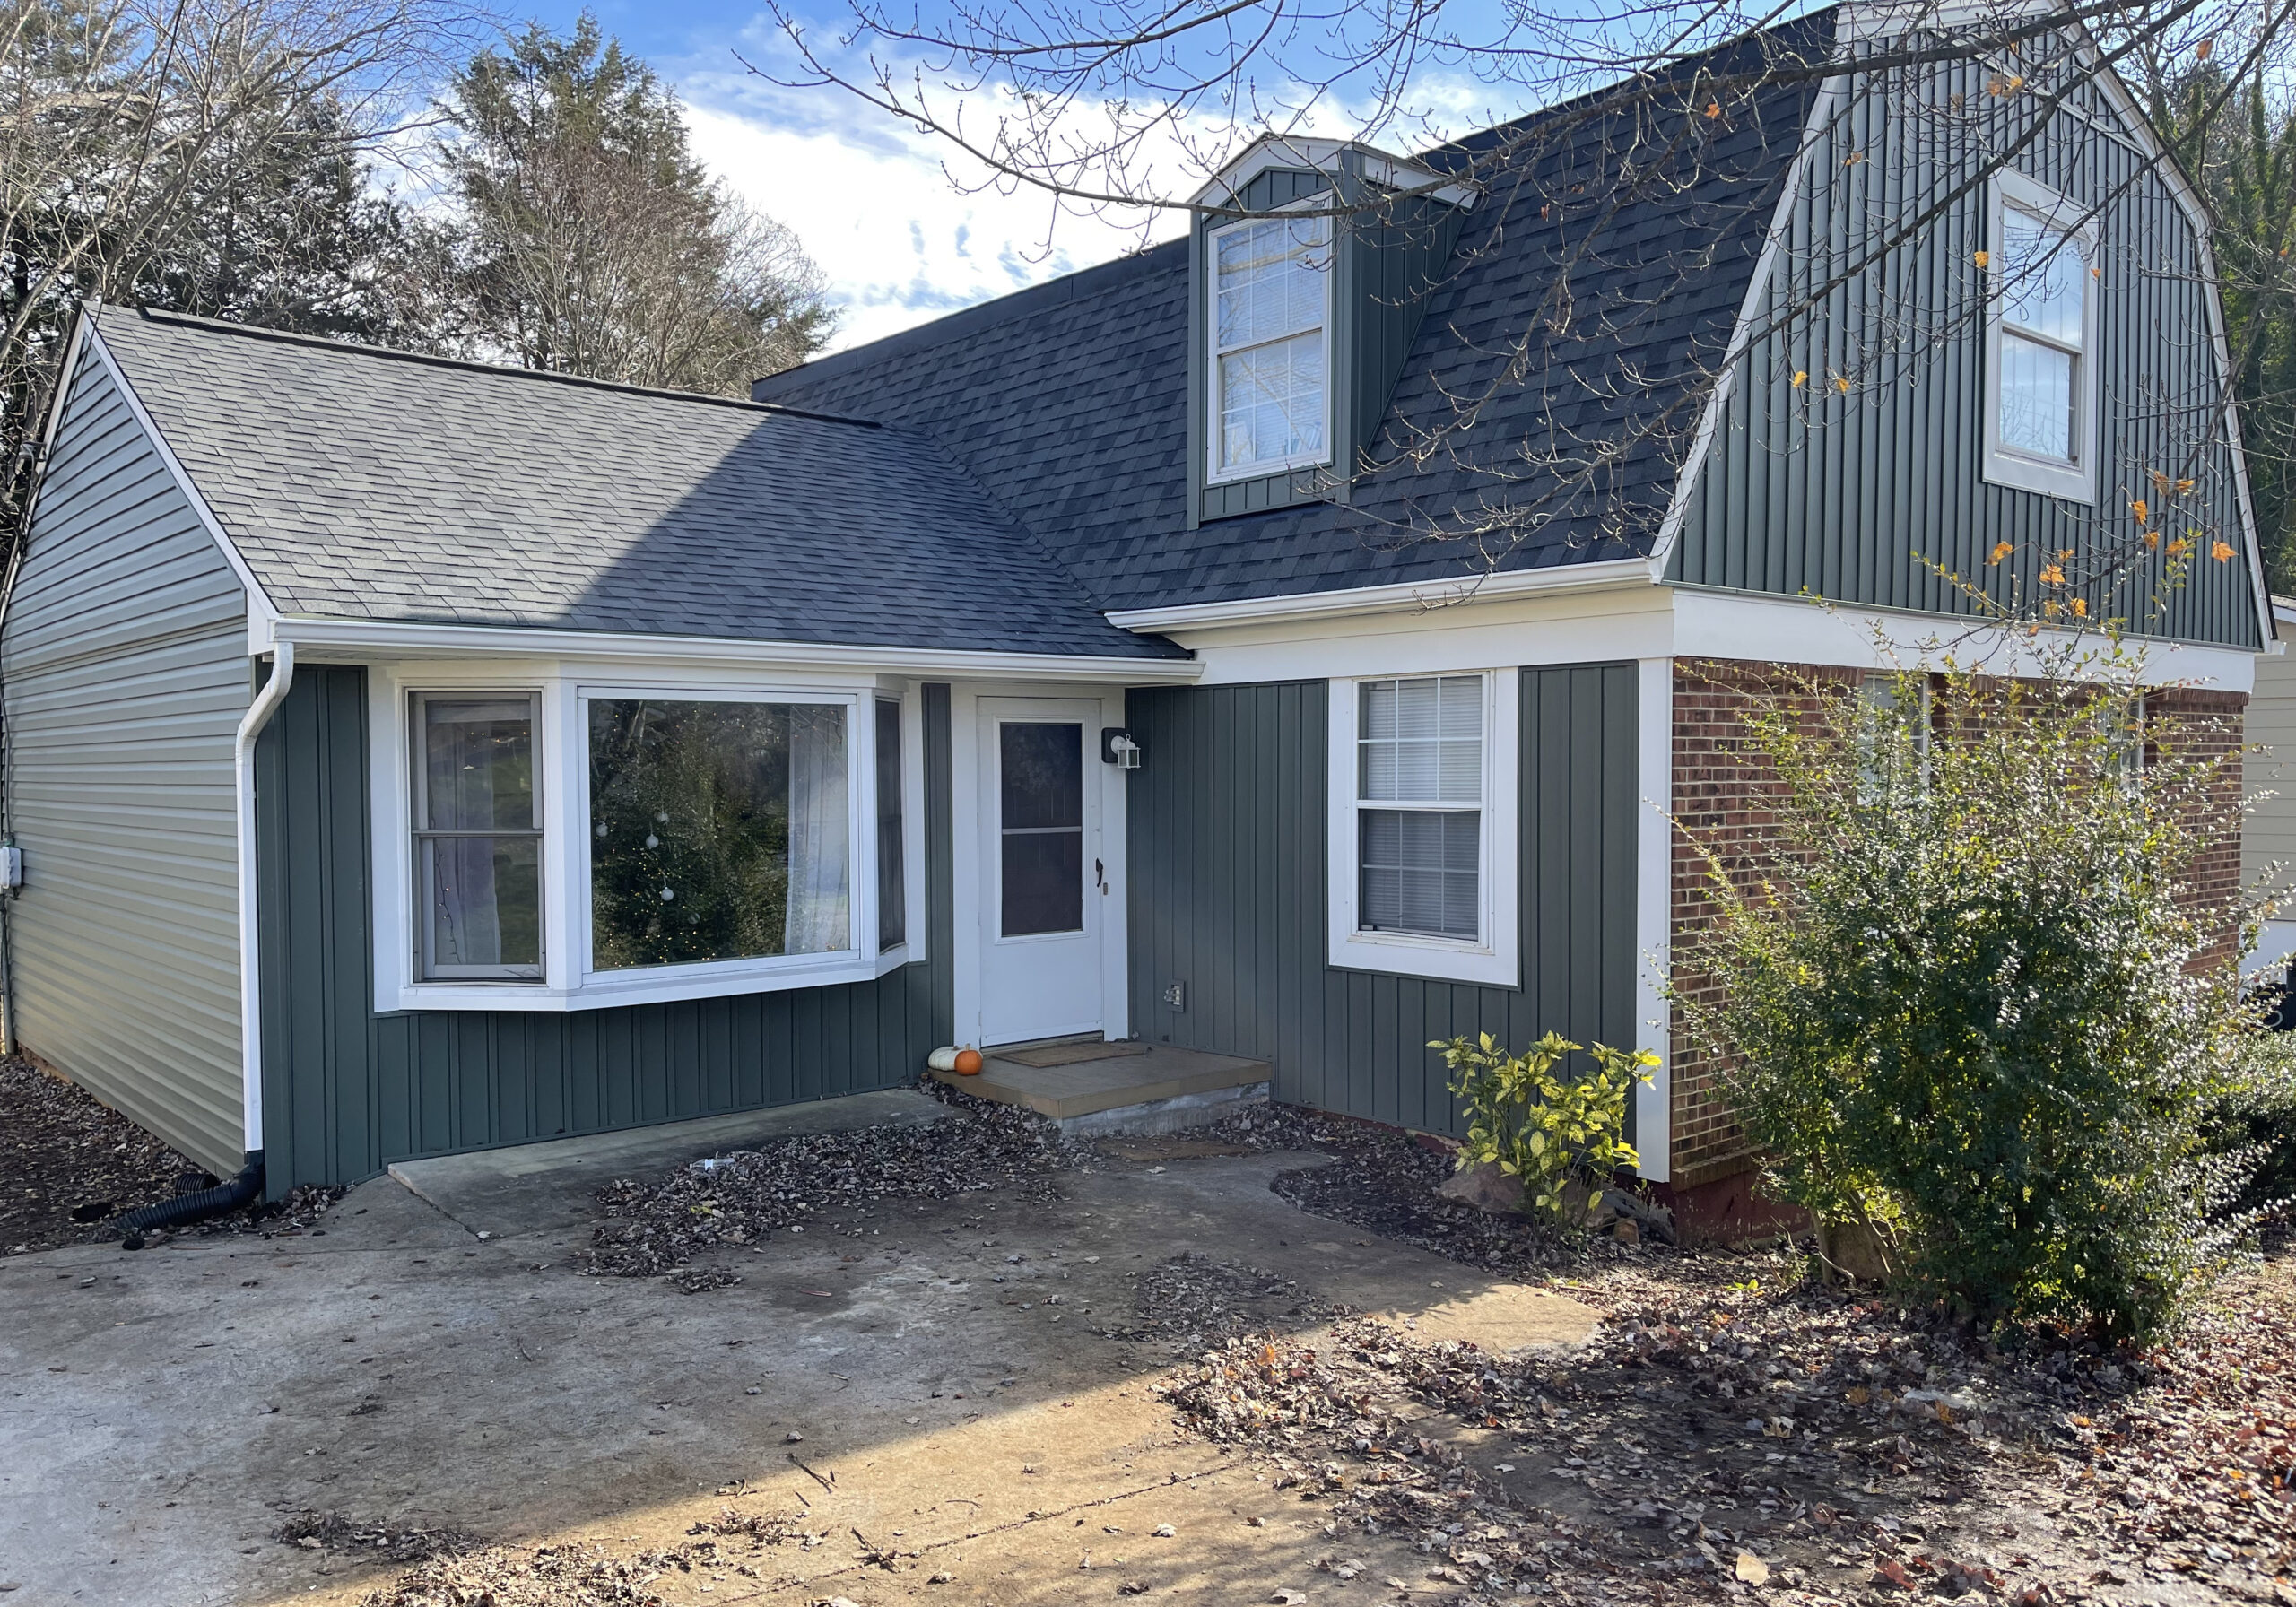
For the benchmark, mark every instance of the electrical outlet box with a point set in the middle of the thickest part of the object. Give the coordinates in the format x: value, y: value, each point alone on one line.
x: 1175, y: 994
x: 11, y: 865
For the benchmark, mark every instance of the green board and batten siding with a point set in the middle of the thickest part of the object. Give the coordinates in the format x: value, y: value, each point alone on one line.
x: 348, y: 1090
x: 126, y: 674
x: 1844, y: 494
x: 1228, y: 889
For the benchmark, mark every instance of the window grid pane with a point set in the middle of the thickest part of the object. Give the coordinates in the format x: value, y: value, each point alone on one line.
x: 1421, y: 741
x: 2037, y: 397
x: 1421, y: 872
x: 1272, y: 401
x: 2042, y: 275
x: 1272, y: 277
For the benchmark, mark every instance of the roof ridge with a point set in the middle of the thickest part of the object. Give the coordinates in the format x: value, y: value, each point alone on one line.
x: 154, y: 314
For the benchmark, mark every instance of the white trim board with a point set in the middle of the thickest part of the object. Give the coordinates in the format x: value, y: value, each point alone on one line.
x: 1638, y: 620
x: 322, y: 639
x: 1654, y: 886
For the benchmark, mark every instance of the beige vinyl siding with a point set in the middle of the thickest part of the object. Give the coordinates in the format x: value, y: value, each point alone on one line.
x: 126, y: 675
x: 2270, y: 833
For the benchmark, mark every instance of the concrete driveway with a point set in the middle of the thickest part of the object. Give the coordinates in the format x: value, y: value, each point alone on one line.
x: 166, y: 1410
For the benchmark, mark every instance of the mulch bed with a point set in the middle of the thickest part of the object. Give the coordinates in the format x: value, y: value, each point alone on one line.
x: 1734, y: 1431
x: 70, y: 1165
x: 674, y: 1226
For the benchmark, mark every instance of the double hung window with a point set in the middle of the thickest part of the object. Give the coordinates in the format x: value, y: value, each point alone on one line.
x: 1423, y: 844
x: 1270, y: 403
x: 1419, y: 806
x: 477, y: 838
x: 2041, y: 427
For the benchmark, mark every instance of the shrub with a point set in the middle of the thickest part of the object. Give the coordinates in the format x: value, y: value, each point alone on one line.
x: 1544, y: 1126
x: 1969, y: 993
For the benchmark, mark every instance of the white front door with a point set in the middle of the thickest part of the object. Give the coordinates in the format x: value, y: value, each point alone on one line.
x: 1043, y: 905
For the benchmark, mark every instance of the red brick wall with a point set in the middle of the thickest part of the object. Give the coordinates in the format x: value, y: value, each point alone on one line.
x: 1719, y: 794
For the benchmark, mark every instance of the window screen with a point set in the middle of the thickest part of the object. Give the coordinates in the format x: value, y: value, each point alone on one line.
x: 1419, y: 806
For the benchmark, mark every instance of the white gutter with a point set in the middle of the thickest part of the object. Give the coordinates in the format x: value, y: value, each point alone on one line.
x: 258, y: 715
x: 400, y: 639
x: 1558, y: 580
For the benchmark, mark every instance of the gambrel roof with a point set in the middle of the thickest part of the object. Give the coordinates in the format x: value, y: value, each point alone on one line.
x: 1068, y: 402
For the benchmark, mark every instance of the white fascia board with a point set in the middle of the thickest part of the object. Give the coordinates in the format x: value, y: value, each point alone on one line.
x: 1413, y: 597
x: 1833, y: 97
x: 1736, y: 626
x: 1322, y: 155
x: 263, y: 614
x: 392, y: 638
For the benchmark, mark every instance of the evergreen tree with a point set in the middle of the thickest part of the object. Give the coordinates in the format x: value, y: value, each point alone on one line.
x: 592, y: 240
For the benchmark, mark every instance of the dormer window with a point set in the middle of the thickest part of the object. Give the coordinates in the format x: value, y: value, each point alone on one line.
x: 2040, y: 339
x: 1271, y: 347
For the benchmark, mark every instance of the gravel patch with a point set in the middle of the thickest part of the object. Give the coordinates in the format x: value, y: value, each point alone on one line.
x: 1191, y: 1300
x: 363, y: 1541
x: 667, y: 1227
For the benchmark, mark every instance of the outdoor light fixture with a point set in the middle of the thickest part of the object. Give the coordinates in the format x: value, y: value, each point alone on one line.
x: 1118, y: 748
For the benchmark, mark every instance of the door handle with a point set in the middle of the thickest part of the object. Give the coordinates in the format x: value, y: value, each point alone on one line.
x: 1100, y: 875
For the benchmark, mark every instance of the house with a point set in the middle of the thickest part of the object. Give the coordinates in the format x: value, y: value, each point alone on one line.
x: 1287, y: 642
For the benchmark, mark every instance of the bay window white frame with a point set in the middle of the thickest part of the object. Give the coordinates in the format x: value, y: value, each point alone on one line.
x: 1494, y: 957
x: 563, y: 690
x: 1214, y: 473
x: 2005, y: 464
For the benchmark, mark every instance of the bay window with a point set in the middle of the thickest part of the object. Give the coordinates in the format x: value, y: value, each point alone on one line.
x: 1422, y: 841
x: 1270, y: 406
x: 2039, y: 427
x: 567, y: 846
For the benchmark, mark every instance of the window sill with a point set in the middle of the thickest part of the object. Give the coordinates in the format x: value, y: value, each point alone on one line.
x: 2041, y: 476
x: 1436, y: 959
x: 654, y: 985
x: 1261, y: 470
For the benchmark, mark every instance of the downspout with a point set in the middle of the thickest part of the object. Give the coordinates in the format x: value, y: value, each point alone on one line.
x: 247, y: 1185
x: 258, y: 715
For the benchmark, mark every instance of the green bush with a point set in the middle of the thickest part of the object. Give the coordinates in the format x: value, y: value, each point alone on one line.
x: 1968, y: 995
x: 1541, y: 1126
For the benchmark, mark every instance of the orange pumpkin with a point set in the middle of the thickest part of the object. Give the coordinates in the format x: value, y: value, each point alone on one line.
x: 969, y: 1062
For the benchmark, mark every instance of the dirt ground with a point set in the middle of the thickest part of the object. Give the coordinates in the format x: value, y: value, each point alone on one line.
x: 1145, y: 1373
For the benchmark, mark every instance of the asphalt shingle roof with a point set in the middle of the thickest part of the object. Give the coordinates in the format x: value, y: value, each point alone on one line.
x: 371, y: 485
x: 1068, y: 402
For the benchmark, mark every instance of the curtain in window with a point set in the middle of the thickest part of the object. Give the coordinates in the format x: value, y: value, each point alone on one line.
x: 818, y: 915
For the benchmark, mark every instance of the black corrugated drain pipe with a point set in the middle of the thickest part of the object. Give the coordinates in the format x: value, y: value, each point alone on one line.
x: 196, y: 1206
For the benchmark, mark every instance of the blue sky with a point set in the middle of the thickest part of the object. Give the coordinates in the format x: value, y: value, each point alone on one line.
x: 899, y: 241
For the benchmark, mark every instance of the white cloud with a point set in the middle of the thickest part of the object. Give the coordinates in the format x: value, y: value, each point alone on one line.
x: 899, y: 241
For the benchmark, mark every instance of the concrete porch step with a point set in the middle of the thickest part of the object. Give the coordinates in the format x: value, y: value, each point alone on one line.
x: 1149, y: 1089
